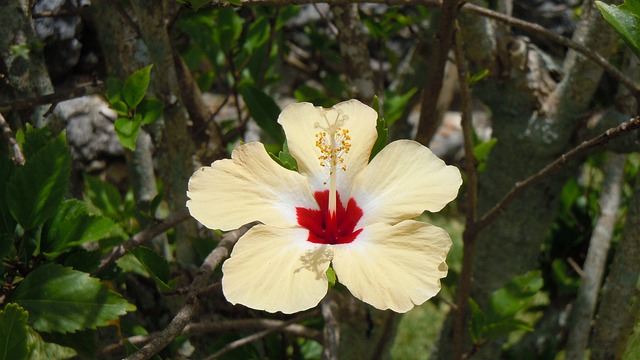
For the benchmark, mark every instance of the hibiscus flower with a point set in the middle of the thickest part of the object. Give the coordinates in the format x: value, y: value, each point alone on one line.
x: 337, y: 210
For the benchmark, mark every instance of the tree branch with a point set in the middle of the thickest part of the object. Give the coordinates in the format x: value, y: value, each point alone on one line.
x: 556, y: 165
x: 18, y: 156
x: 221, y: 326
x: 186, y: 313
x: 259, y: 335
x: 144, y: 236
x: 464, y: 287
x: 93, y: 88
x: 594, y: 265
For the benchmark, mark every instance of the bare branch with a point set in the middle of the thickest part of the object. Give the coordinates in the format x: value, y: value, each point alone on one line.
x: 428, y: 123
x: 464, y: 288
x: 556, y: 165
x: 594, y: 265
x: 93, y: 88
x: 221, y: 326
x: 144, y: 236
x: 18, y: 156
x: 257, y: 336
x: 192, y: 306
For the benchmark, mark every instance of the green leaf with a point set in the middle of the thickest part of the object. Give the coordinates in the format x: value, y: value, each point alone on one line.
x: 39, y: 349
x: 64, y: 300
x: 287, y: 159
x: 135, y: 87
x: 83, y: 342
x: 34, y: 140
x: 36, y: 189
x: 394, y: 105
x: 13, y: 333
x: 625, y: 19
x: 481, y: 152
x: 383, y: 132
x: 331, y: 276
x: 477, y: 76
x: 121, y: 108
x: 114, y: 89
x: 71, y: 226
x: 156, y: 265
x: 150, y: 109
x: 104, y: 196
x: 229, y: 28
x: 263, y: 110
x: 7, y: 222
x: 128, y: 130
x: 515, y: 295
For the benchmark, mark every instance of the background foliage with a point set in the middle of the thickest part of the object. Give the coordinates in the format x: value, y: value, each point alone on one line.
x: 102, y: 265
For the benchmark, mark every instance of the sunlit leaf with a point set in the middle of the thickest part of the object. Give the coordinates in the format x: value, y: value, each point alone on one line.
x: 135, y: 87
x: 64, y: 300
x: 625, y: 19
x: 128, y: 130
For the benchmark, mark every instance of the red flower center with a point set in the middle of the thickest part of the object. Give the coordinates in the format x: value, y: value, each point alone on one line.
x: 327, y: 229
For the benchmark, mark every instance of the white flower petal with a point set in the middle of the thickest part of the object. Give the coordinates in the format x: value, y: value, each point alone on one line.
x: 301, y: 123
x: 402, y: 181
x: 276, y: 269
x: 394, y: 267
x: 248, y: 187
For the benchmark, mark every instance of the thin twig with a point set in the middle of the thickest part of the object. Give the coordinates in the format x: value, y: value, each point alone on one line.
x: 259, y: 335
x: 59, y: 96
x: 556, y: 165
x: 18, y: 156
x: 218, y: 327
x: 144, y: 236
x: 186, y: 313
x: 464, y: 287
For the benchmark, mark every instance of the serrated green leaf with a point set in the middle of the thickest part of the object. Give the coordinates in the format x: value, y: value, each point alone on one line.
x: 65, y: 300
x: 13, y: 333
x: 114, y: 90
x: 285, y: 159
x: 7, y: 222
x: 34, y: 140
x: 150, y: 109
x: 135, y: 87
x: 36, y: 189
x: 128, y: 131
x: 625, y: 21
x: 263, y: 110
x: 156, y: 265
x: 71, y: 226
